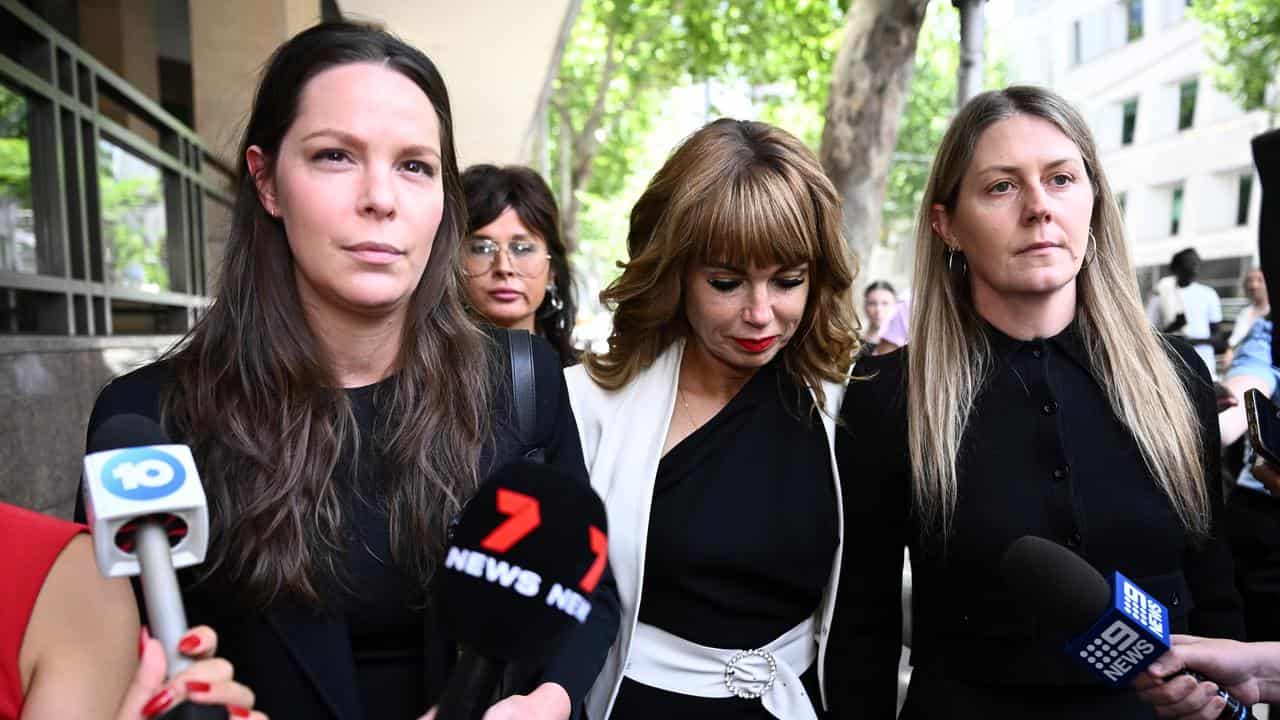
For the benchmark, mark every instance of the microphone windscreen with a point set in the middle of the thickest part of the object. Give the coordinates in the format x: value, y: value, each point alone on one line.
x: 125, y: 431
x: 523, y: 561
x: 1066, y: 593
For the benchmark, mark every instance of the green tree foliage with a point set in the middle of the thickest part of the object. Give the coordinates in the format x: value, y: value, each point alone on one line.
x: 127, y: 202
x: 625, y: 55
x: 15, y: 156
x: 930, y: 106
x: 1244, y: 42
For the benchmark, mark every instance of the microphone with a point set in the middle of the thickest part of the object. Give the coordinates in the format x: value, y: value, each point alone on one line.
x: 522, y: 564
x: 1116, y: 629
x: 148, y: 515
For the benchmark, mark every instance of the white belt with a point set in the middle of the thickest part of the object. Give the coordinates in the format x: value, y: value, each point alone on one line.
x: 771, y: 673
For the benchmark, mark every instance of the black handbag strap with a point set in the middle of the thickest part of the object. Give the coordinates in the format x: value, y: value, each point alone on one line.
x: 524, y: 391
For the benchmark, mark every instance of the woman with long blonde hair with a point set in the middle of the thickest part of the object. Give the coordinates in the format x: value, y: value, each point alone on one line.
x: 708, y: 429
x: 1033, y: 399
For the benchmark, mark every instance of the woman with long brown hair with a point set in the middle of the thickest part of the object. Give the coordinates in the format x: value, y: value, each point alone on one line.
x: 707, y: 427
x: 1033, y: 398
x: 340, y: 402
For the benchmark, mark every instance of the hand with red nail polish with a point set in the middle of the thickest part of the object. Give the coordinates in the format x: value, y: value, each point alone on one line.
x: 208, y: 681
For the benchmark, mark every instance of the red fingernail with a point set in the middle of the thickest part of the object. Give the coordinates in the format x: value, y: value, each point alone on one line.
x: 158, y: 703
x: 198, y: 686
x: 189, y: 644
x: 142, y: 640
x: 237, y: 711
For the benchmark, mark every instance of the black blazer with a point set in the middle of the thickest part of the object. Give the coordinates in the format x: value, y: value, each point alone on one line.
x: 298, y: 662
x: 1042, y: 455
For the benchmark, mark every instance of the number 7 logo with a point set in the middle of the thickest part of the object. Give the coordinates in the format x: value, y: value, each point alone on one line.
x: 599, y: 546
x: 525, y: 517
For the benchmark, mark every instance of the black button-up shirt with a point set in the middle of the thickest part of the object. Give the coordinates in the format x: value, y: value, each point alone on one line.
x: 1043, y: 454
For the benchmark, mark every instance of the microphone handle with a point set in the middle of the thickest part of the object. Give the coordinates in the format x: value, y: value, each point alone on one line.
x: 192, y: 711
x: 166, y: 617
x: 471, y: 686
x: 1235, y: 710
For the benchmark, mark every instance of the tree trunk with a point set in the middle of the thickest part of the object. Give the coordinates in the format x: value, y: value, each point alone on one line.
x: 539, y: 144
x: 969, y: 71
x: 864, y: 109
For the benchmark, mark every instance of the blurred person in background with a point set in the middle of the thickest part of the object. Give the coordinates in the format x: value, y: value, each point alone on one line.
x: 517, y: 268
x: 1182, y: 306
x: 1255, y: 288
x: 880, y: 303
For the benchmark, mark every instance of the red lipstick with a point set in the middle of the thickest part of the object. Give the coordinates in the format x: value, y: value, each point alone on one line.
x: 757, y: 345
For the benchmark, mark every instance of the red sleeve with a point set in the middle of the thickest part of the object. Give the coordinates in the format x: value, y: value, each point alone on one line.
x: 33, y: 542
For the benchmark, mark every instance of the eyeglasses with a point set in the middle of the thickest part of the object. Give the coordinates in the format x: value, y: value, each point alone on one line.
x: 527, y: 257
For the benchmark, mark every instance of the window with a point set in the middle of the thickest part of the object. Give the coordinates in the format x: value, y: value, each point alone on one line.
x: 105, y: 221
x: 1187, y: 103
x: 1130, y: 122
x: 17, y: 218
x: 1134, y: 16
x: 1175, y: 214
x: 133, y: 220
x: 1242, y: 205
x: 1077, y: 51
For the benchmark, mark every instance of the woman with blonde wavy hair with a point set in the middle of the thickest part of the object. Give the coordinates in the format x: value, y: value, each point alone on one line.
x: 1033, y: 399
x: 708, y: 427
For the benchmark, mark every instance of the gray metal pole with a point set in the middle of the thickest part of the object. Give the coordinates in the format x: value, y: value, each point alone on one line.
x: 969, y: 78
x: 166, y: 617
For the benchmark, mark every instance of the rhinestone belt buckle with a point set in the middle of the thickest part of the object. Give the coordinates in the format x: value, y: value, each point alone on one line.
x: 731, y: 673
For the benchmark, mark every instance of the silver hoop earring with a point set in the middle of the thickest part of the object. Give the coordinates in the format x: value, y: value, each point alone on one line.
x: 1090, y: 245
x: 553, y: 299
x: 952, y: 253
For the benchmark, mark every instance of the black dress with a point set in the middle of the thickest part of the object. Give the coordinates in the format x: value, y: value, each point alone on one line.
x: 1043, y: 454
x: 373, y: 651
x: 742, y: 533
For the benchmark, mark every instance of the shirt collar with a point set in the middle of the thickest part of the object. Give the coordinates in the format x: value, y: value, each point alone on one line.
x: 1068, y: 342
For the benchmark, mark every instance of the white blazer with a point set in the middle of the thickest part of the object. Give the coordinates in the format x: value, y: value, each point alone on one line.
x: 622, y: 433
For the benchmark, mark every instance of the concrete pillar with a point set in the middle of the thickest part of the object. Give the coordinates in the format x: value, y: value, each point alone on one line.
x: 104, y: 27
x: 230, y: 43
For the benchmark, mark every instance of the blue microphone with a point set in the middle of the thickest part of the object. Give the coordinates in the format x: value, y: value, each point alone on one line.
x: 1116, y: 628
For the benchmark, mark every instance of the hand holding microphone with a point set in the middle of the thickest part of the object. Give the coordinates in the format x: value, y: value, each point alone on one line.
x: 148, y: 515
x: 1116, y: 630
x: 520, y: 569
x: 207, y: 681
x: 1249, y: 671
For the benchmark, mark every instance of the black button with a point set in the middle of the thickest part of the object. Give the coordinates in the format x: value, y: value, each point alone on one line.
x: 1074, y: 541
x: 1037, y: 353
x: 1175, y: 601
x: 1060, y: 473
x: 1050, y: 407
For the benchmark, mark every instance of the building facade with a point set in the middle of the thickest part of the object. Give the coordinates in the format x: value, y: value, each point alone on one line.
x: 1175, y: 149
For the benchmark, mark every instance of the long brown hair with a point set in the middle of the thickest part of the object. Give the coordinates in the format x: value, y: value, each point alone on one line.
x: 256, y: 396
x: 741, y: 193
x: 952, y: 356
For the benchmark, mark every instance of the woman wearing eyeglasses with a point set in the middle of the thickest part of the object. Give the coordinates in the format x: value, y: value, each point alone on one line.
x: 515, y: 262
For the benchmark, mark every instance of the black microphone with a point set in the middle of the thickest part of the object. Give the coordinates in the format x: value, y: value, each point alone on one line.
x: 522, y: 564
x: 1116, y: 629
x: 148, y: 515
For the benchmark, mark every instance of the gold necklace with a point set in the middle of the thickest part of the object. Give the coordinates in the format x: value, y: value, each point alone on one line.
x: 688, y: 414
